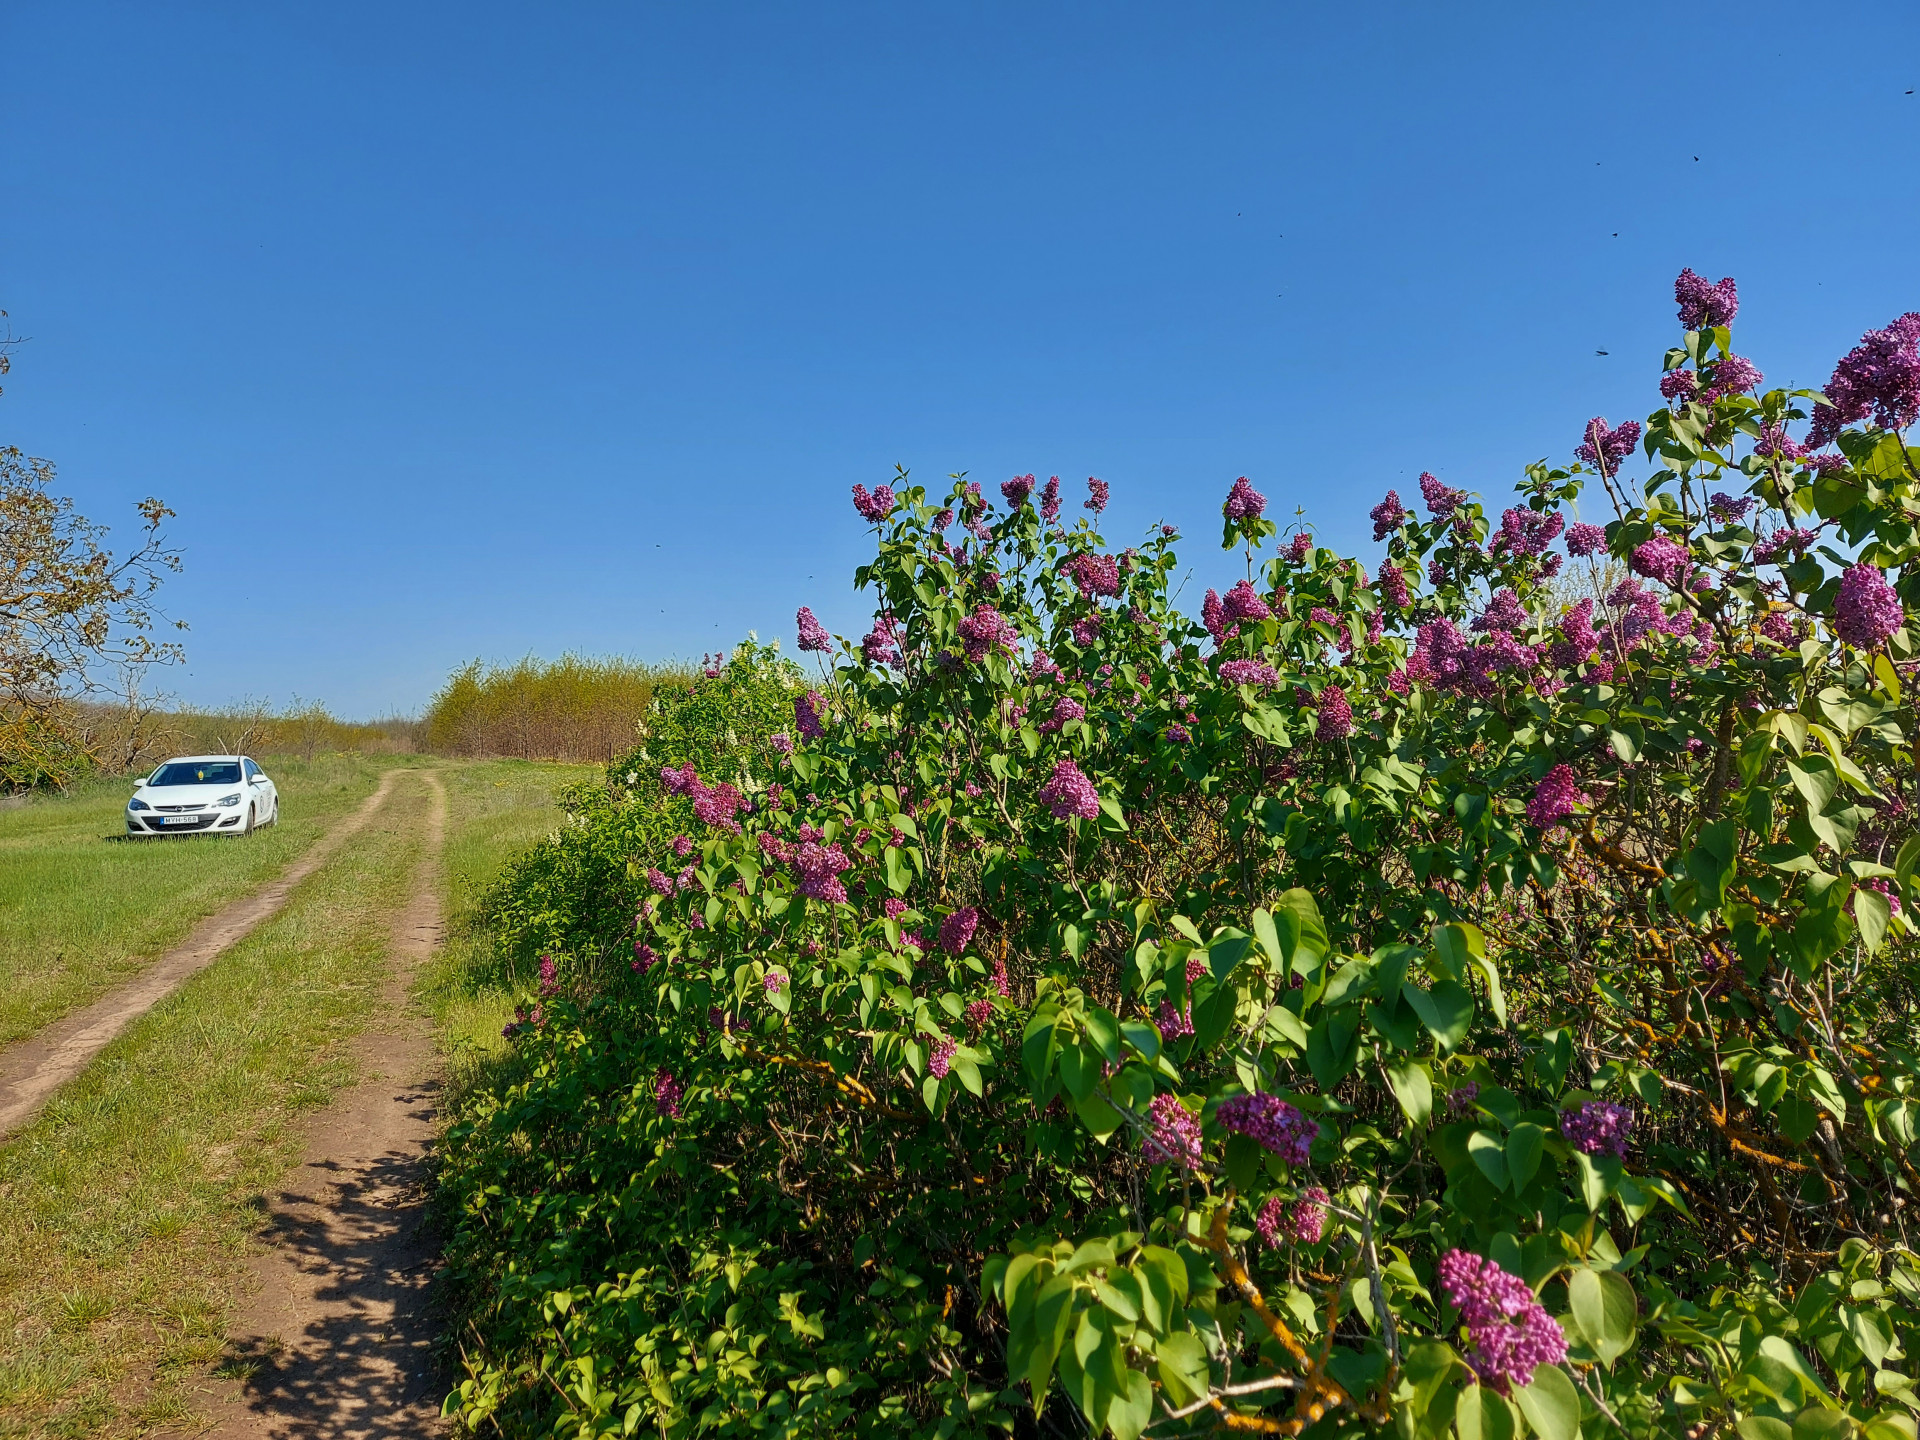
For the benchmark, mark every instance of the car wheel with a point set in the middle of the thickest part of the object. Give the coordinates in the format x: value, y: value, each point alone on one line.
x: 247, y: 829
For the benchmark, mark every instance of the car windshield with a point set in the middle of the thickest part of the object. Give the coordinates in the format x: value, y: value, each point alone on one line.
x: 197, y: 772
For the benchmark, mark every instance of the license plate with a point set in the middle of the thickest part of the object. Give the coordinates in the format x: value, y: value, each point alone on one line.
x: 179, y: 819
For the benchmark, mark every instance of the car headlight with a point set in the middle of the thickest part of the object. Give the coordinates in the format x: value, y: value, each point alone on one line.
x: 138, y: 804
x: 227, y: 802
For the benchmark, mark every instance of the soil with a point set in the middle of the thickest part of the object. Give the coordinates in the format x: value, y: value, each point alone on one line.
x: 37, y: 1066
x: 335, y: 1342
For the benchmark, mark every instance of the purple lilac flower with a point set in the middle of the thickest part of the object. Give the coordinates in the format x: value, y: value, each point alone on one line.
x: 1097, y: 491
x: 1734, y: 375
x: 1069, y: 793
x: 1880, y: 886
x: 661, y: 884
x: 1553, y: 800
x: 1503, y: 613
x: 1678, y: 384
x: 818, y: 868
x: 1249, y: 672
x: 1527, y: 532
x: 1727, y: 509
x: 1866, y: 610
x: 1213, y: 615
x: 1299, y: 548
x: 782, y: 743
x: 644, y: 958
x: 1178, y: 734
x: 682, y: 846
x: 1243, y: 602
x: 549, y: 975
x: 1306, y: 1220
x: 942, y: 520
x: 1777, y: 626
x: 1460, y: 1099
x: 1017, y: 490
x: 1598, y: 1127
x: 1050, y: 499
x: 881, y: 645
x: 1335, y: 716
x: 893, y: 907
x: 1661, y: 558
x: 941, y: 1060
x: 956, y: 931
x: 683, y: 781
x: 1880, y: 377
x: 1702, y: 304
x: 1002, y: 983
x: 1393, y: 586
x: 1173, y: 1022
x: 718, y: 804
x: 1278, y: 1126
x: 979, y: 1012
x: 1604, y: 449
x: 1510, y: 1333
x: 984, y: 631
x: 1173, y: 1135
x: 813, y: 635
x: 1086, y: 630
x: 1320, y: 615
x: 1388, y: 516
x: 666, y: 1095
x: 1269, y: 1221
x: 1095, y: 575
x: 1442, y: 500
x: 876, y: 506
x: 1243, y: 501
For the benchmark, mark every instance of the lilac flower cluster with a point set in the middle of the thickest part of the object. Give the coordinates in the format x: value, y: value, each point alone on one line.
x: 881, y: 645
x: 1086, y: 630
x: 1604, y: 449
x: 644, y: 958
x: 1879, y: 377
x: 775, y: 982
x: 1097, y: 491
x: 1661, y: 558
x: 1388, y: 516
x: 1678, y: 384
x: 1094, y: 575
x: 1510, y: 1331
x: 1725, y: 508
x: 818, y: 868
x: 956, y: 931
x: 1069, y: 793
x: 1597, y: 1127
x: 1777, y: 626
x: 1306, y: 1222
x: 1393, y: 586
x: 1503, y: 613
x: 985, y: 631
x: 813, y: 635
x: 1460, y: 1099
x: 1335, y: 716
x: 549, y: 975
x: 1173, y: 1022
x: 1884, y: 888
x: 1702, y: 304
x: 782, y: 743
x: 1442, y: 500
x: 941, y: 1060
x: 1050, y: 500
x: 1528, y: 532
x: 666, y: 1095
x: 1016, y: 490
x: 1249, y: 672
x: 1866, y: 610
x: 979, y: 1012
x: 1278, y: 1126
x: 1586, y: 540
x: 1791, y: 541
x: 1733, y: 375
x: 1173, y: 1135
x: 1243, y: 501
x: 875, y: 506
x: 1553, y: 800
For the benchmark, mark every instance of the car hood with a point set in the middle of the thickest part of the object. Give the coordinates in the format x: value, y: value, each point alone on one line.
x: 186, y: 794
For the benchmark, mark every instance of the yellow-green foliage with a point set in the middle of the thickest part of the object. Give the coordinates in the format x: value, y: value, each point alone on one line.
x: 573, y: 708
x: 305, y: 729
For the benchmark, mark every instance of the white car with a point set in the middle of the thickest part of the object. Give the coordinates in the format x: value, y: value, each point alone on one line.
x: 198, y: 793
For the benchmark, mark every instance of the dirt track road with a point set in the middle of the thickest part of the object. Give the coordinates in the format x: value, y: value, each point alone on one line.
x: 338, y: 1333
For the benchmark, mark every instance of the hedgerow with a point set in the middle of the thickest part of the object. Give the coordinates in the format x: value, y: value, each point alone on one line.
x: 1470, y: 998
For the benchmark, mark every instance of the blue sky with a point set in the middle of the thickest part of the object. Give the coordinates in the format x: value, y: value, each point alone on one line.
x: 482, y: 330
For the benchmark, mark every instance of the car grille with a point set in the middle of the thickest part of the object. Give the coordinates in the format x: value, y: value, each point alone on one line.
x: 178, y: 809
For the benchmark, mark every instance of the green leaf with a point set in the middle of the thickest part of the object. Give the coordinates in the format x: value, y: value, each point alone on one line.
x: 1413, y: 1088
x: 1300, y: 930
x: 1268, y: 936
x: 1551, y: 1404
x: 1051, y: 1312
x: 1762, y: 1427
x: 899, y: 873
x: 1131, y: 1410
x: 1104, y: 1030
x: 1604, y: 1310
x: 1483, y: 1415
x: 1429, y: 1364
x: 1525, y: 1144
x: 1446, y: 1010
x: 1872, y: 914
x: 1183, y: 1366
x: 1776, y: 1349
x: 1333, y: 1046
x: 1490, y: 1155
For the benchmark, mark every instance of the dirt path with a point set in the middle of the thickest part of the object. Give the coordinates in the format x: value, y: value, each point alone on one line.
x: 33, y: 1069
x: 339, y: 1332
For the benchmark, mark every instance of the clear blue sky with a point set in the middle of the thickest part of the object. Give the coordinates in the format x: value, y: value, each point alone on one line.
x: 457, y: 330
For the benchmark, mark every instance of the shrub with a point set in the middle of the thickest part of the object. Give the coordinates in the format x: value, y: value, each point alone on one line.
x: 572, y: 708
x: 1410, y: 1002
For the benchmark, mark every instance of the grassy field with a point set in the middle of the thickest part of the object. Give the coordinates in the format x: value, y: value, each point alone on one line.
x: 495, y: 811
x: 81, y: 909
x: 128, y: 1208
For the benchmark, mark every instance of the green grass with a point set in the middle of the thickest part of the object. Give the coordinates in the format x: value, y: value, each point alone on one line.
x: 128, y: 1209
x: 496, y: 810
x: 81, y: 909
